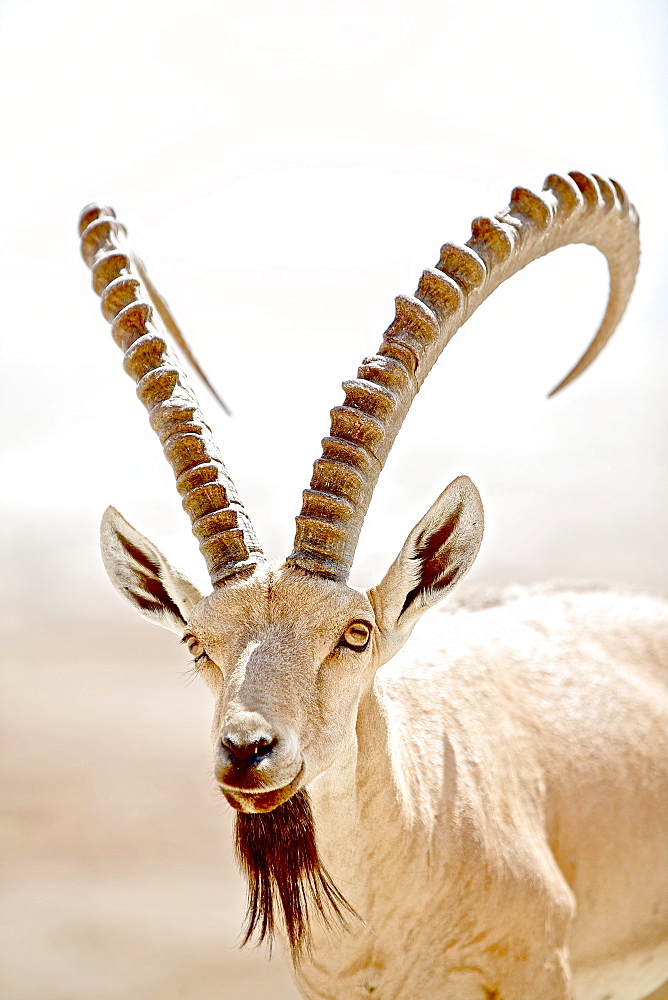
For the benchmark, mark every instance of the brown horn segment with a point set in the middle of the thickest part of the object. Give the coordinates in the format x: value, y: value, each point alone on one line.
x: 219, y: 522
x: 579, y: 208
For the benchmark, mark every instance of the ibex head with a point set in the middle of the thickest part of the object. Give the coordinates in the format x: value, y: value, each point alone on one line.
x: 288, y: 650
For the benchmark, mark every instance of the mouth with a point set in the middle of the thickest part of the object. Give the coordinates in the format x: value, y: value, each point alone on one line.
x: 262, y: 802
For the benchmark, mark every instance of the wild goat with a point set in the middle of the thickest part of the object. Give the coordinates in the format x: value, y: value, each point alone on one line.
x: 485, y: 816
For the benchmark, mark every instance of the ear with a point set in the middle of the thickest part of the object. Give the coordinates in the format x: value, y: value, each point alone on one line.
x: 438, y: 552
x: 142, y: 575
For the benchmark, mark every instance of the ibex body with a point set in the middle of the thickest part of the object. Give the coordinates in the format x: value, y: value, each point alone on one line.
x: 479, y: 810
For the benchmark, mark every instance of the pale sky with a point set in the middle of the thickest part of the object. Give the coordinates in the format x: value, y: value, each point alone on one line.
x: 285, y: 171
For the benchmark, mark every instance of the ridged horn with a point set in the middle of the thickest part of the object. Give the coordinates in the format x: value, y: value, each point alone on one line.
x: 574, y: 209
x: 219, y: 522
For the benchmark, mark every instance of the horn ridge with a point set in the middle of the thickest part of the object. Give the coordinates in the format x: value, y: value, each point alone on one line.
x: 578, y: 208
x: 491, y: 240
x: 535, y: 208
x: 464, y: 265
x: 219, y: 522
x: 589, y: 188
x: 566, y: 192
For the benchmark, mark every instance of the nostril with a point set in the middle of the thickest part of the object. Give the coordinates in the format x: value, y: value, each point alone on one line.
x: 248, y: 752
x: 264, y: 747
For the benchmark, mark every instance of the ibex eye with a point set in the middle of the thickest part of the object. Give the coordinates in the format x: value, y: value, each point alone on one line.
x: 195, y: 647
x: 356, y: 636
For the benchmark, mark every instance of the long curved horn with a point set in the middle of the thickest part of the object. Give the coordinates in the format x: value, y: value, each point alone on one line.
x: 219, y: 522
x: 573, y: 209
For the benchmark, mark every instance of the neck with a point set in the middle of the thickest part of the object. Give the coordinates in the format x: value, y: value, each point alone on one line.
x: 351, y: 799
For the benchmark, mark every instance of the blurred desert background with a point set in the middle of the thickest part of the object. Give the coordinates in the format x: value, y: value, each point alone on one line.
x: 284, y: 171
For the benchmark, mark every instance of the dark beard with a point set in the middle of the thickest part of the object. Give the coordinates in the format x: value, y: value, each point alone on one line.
x: 278, y: 854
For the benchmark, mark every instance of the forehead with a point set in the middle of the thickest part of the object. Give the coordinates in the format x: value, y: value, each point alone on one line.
x: 280, y: 596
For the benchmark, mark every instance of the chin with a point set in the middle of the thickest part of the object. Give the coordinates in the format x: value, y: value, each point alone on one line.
x: 262, y: 802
